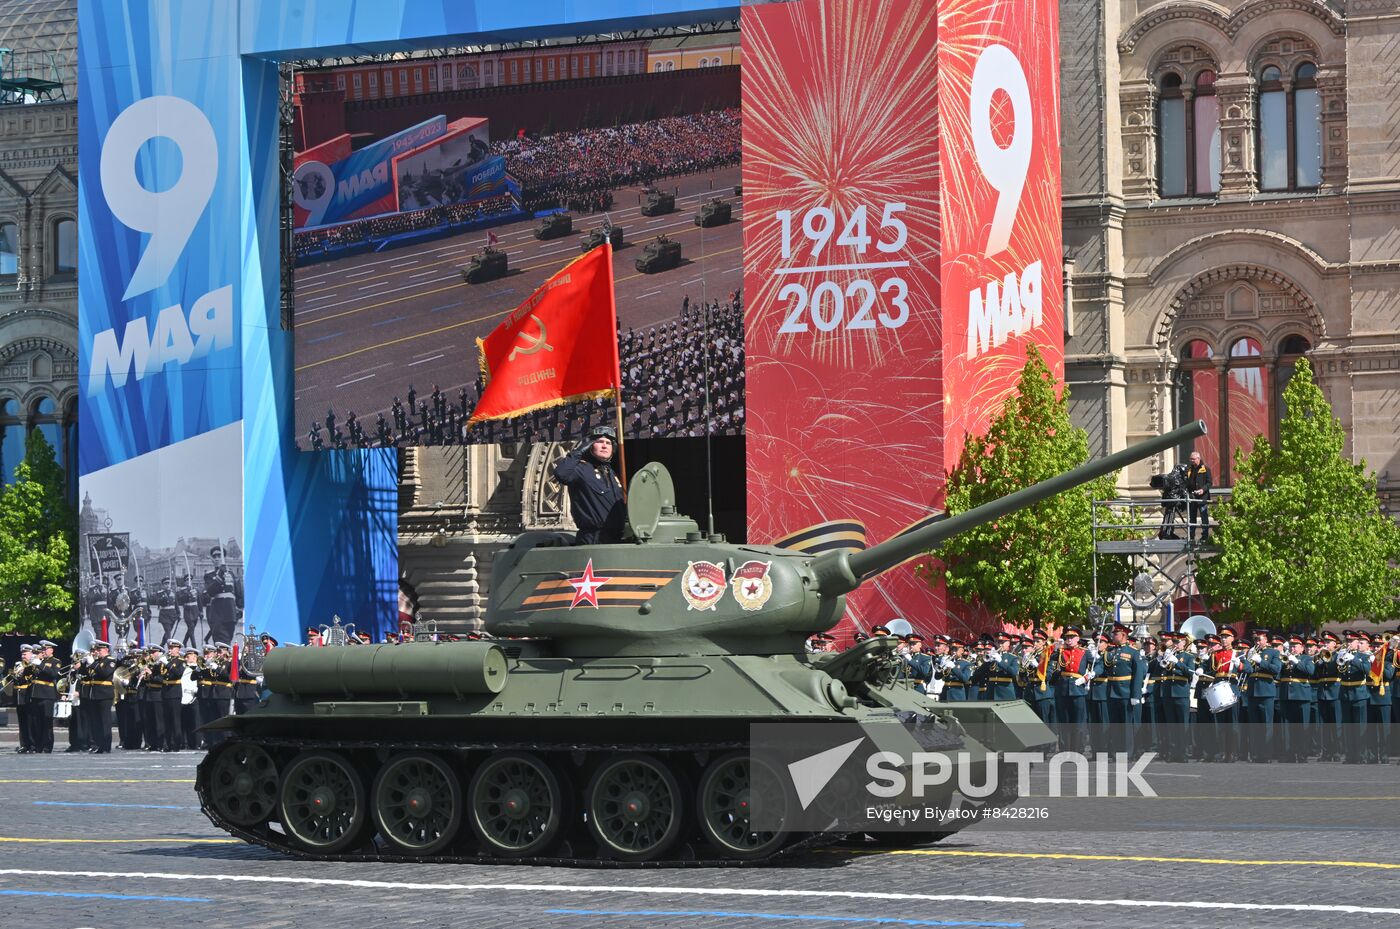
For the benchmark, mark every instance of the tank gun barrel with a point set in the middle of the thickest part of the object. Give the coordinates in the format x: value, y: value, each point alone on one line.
x: 842, y: 572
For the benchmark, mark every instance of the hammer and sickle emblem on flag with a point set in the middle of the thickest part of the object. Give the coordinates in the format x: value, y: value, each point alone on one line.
x: 532, y: 343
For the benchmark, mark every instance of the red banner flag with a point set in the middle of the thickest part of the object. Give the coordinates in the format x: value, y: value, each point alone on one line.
x: 558, y: 346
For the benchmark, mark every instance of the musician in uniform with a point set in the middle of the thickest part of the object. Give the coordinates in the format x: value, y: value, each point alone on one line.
x: 1037, y: 688
x: 204, y: 702
x: 223, y: 597
x: 97, y: 701
x: 153, y: 699
x: 1146, y: 736
x: 189, y: 700
x: 128, y: 703
x: 1126, y: 671
x: 920, y: 664
x: 1327, y: 685
x: 1073, y: 674
x: 1262, y: 666
x: 167, y: 609
x: 43, y: 693
x: 172, y: 671
x: 24, y: 682
x: 995, y: 676
x: 1381, y: 679
x: 1098, y: 695
x: 1296, y: 684
x: 246, y: 690
x: 1204, y: 741
x: 1354, y: 670
x: 223, y: 691
x: 1177, y: 666
x: 956, y: 671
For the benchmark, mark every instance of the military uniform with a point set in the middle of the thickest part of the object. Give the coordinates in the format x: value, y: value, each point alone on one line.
x: 43, y: 693
x: 223, y: 597
x: 24, y: 682
x: 956, y: 673
x: 245, y: 691
x: 153, y: 704
x: 1073, y: 674
x: 1262, y: 666
x: 995, y: 675
x: 1098, y: 697
x: 171, y: 693
x: 1204, y: 741
x: 1037, y: 688
x: 1382, y: 684
x: 204, y: 701
x: 1126, y: 670
x: 1354, y: 670
x: 167, y: 611
x: 97, y: 700
x: 128, y: 710
x: 1296, y: 686
x: 1177, y: 671
x: 595, y: 496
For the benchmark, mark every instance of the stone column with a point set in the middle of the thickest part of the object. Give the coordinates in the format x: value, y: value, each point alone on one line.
x: 1139, y: 107
x: 1332, y: 92
x: 1238, y: 173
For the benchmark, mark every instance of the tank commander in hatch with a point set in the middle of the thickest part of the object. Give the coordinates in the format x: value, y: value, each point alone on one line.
x: 595, y: 495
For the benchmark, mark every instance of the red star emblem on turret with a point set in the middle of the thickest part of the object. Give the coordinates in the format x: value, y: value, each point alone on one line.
x: 586, y: 587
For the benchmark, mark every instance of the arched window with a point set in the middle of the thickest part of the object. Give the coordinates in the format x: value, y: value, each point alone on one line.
x: 1290, y: 129
x: 1188, y: 137
x: 1247, y: 394
x: 65, y: 247
x: 1198, y: 397
x: 9, y: 248
x: 45, y: 418
x: 11, y: 440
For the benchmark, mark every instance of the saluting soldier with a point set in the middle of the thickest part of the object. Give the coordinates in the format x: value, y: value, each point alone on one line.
x: 97, y: 701
x: 24, y: 710
x: 1073, y: 674
x: 1177, y: 666
x: 43, y: 693
x: 173, y: 670
x: 1126, y: 671
x: 1296, y: 684
x: 1262, y: 664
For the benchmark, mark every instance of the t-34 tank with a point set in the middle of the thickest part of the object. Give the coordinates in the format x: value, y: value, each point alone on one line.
x: 660, y: 255
x: 600, y: 234
x: 554, y: 225
x: 656, y: 203
x: 487, y: 266
x: 611, y: 719
x: 713, y: 212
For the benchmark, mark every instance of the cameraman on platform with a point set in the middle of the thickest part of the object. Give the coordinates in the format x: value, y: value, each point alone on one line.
x: 1198, y: 495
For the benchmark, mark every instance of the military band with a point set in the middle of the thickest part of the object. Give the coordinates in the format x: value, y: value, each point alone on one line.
x: 1281, y: 698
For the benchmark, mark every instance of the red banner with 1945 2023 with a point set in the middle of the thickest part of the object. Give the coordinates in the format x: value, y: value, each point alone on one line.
x: 902, y: 250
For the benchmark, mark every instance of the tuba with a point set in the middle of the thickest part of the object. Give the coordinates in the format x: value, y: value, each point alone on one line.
x: 251, y: 651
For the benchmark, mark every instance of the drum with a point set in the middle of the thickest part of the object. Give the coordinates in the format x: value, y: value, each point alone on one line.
x: 62, y: 710
x: 1221, y: 696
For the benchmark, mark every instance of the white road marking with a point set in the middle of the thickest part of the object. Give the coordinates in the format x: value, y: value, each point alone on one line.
x: 440, y: 348
x: 714, y: 892
x: 426, y: 273
x: 357, y: 380
x: 423, y: 361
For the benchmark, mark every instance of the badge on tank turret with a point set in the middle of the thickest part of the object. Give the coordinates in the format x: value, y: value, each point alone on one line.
x: 703, y: 584
x: 752, y: 585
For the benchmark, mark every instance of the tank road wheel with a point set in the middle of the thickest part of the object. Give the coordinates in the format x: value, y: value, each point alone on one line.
x: 322, y: 803
x: 731, y: 789
x: 243, y: 784
x: 634, y: 807
x: 417, y: 803
x: 516, y: 805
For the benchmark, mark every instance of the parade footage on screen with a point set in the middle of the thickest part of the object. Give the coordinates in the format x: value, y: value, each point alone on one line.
x: 433, y: 195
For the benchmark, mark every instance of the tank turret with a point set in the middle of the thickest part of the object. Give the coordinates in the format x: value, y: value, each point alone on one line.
x: 611, y: 719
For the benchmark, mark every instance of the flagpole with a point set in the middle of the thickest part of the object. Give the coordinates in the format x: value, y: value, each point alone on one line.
x: 617, y: 368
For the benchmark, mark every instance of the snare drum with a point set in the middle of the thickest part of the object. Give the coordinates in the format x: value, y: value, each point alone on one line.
x: 62, y: 710
x: 1221, y: 696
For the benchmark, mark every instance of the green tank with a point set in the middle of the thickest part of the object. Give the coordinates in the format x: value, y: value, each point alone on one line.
x: 599, y: 235
x: 554, y: 226
x: 487, y: 266
x: 656, y: 203
x: 713, y: 212
x: 660, y: 255
x: 609, y: 720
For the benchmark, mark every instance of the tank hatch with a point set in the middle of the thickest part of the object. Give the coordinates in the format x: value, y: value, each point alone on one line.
x: 651, y: 508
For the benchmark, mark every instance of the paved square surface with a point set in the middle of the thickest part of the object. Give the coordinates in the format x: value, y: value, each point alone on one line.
x: 118, y: 841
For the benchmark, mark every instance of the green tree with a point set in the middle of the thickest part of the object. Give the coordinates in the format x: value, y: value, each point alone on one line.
x: 37, y: 531
x: 1035, y: 565
x: 1303, y: 540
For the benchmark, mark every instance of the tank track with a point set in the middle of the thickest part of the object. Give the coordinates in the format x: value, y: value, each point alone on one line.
x: 692, y: 854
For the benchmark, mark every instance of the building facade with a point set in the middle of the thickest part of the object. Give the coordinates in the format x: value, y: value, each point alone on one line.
x: 1231, y: 204
x: 39, y: 233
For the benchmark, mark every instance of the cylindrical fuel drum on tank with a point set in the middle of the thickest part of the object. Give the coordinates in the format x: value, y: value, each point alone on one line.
x: 457, y: 668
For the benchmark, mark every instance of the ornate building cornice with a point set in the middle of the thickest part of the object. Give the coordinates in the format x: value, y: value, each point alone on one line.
x: 1227, y: 23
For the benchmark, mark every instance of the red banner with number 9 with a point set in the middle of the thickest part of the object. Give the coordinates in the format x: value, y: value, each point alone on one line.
x: 886, y: 171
